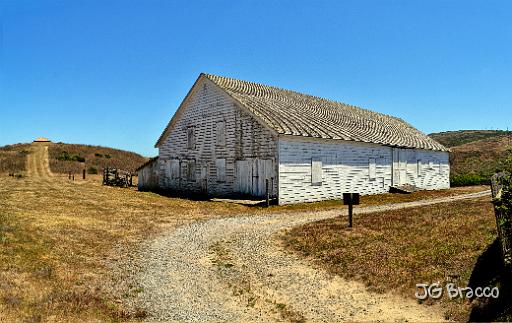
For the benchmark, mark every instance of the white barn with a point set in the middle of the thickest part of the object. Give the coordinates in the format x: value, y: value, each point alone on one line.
x: 229, y: 137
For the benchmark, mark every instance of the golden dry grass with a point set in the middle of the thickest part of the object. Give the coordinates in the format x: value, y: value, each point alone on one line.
x: 55, y: 236
x: 395, y: 250
x: 379, y: 199
x: 96, y: 157
x: 58, y: 236
x: 13, y: 158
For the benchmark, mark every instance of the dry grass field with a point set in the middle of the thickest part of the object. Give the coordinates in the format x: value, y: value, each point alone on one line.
x: 379, y: 199
x: 13, y: 158
x: 395, y: 250
x: 58, y: 237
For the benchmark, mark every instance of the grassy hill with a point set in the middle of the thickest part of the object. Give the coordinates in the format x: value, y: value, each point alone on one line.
x: 13, y: 158
x: 460, y: 137
x: 65, y: 158
x: 475, y: 154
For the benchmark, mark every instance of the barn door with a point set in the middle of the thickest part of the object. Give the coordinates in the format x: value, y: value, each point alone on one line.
x: 399, y: 166
x: 204, y: 178
x: 244, y: 176
x: 251, y: 176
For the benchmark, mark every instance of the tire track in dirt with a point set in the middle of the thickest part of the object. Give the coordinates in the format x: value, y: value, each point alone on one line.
x: 38, y: 164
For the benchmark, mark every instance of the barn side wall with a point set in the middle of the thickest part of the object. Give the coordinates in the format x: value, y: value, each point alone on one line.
x: 245, y: 138
x: 147, y: 177
x: 428, y: 169
x: 345, y: 169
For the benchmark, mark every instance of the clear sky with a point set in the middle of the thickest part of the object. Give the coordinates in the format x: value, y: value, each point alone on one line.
x: 112, y: 73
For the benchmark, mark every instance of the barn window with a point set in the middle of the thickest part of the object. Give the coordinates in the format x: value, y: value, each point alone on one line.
x: 439, y: 166
x: 221, y: 170
x: 191, y: 170
x: 430, y: 164
x: 221, y: 133
x: 174, y: 169
x: 316, y: 172
x: 191, y: 138
x: 418, y: 168
x: 372, y: 168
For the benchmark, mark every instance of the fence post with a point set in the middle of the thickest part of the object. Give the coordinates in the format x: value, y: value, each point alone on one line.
x: 267, y: 192
x: 83, y: 172
x: 503, y: 220
x: 350, y: 213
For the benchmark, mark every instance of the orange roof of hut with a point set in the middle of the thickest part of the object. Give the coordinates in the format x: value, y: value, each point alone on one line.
x: 42, y: 139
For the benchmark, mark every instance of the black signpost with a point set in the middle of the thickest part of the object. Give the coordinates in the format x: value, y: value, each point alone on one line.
x: 350, y: 199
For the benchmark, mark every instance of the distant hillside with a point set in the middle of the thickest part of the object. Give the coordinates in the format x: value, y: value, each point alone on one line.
x: 66, y: 158
x: 475, y: 154
x: 13, y: 158
x: 460, y: 137
x: 74, y: 158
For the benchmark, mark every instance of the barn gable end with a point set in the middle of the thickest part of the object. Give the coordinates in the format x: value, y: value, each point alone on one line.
x: 223, y: 135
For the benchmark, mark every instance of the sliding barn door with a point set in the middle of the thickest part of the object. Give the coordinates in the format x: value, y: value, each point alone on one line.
x: 251, y: 175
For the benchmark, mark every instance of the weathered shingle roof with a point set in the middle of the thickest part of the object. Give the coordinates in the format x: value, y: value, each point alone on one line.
x: 297, y: 114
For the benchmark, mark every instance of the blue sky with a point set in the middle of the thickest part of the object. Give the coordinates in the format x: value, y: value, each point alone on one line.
x: 112, y: 73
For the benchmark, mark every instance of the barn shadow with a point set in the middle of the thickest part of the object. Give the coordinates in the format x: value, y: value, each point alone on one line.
x: 490, y: 271
x: 245, y: 200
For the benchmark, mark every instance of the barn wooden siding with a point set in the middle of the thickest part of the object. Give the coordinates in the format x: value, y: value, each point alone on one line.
x: 352, y: 167
x: 210, y: 164
x: 427, y: 169
x: 148, y: 176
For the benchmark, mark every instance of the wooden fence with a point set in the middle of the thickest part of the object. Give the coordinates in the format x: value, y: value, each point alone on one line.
x: 501, y: 201
x: 116, y: 177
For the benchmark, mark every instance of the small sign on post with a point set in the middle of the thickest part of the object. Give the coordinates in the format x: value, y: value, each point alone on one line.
x: 350, y: 199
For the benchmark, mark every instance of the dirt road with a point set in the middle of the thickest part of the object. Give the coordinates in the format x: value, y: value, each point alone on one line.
x: 234, y: 269
x: 37, y: 162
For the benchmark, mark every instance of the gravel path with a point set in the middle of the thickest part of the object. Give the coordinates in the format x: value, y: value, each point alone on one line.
x: 234, y: 269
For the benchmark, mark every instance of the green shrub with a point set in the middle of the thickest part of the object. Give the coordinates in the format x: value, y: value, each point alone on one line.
x: 92, y: 170
x: 98, y: 155
x: 469, y: 179
x: 65, y: 156
x: 108, y: 156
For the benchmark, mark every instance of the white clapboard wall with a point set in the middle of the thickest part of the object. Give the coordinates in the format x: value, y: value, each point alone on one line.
x: 352, y: 167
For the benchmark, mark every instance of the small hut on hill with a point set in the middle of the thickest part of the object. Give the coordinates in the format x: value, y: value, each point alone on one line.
x: 42, y: 139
